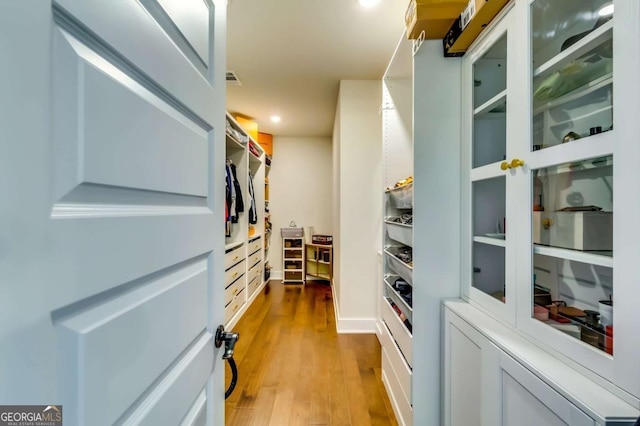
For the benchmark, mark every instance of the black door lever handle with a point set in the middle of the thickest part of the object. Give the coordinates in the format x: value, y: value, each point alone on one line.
x: 229, y: 338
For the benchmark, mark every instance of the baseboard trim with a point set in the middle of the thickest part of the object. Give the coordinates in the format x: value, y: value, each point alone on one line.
x: 275, y: 275
x: 356, y: 325
x: 352, y: 325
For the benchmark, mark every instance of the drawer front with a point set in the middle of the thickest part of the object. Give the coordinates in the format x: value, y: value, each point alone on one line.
x: 233, y: 273
x: 255, y: 258
x: 398, y: 331
x: 400, y: 367
x: 235, y: 305
x: 253, y: 285
x: 402, y: 405
x: 255, y: 245
x: 255, y: 272
x: 233, y: 257
x: 235, y: 288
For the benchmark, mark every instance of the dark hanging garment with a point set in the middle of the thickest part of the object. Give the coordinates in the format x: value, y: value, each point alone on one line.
x: 253, y: 215
x: 233, y: 217
x: 228, y: 200
x: 236, y: 185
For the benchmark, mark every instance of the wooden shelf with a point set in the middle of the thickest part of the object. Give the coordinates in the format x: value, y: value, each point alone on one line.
x: 233, y: 144
x: 499, y: 242
x: 583, y: 46
x: 486, y: 107
x: 593, y: 258
x: 588, y: 88
x: 315, y: 266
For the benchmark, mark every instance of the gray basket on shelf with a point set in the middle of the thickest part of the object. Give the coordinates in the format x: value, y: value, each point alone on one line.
x: 292, y: 231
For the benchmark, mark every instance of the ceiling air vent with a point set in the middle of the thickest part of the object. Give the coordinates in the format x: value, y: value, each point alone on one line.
x: 232, y: 79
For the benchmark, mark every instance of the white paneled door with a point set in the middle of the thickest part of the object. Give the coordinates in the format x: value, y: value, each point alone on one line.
x: 111, y: 163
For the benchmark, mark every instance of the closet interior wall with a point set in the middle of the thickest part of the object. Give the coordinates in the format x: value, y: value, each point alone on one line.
x: 245, y: 236
x: 357, y: 224
x: 300, y: 190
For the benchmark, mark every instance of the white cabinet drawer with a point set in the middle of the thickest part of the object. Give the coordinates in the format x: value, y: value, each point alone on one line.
x: 235, y: 305
x: 234, y: 256
x: 256, y: 271
x: 398, y: 331
x: 253, y: 285
x: 400, y: 367
x: 394, y: 388
x: 255, y: 245
x: 233, y: 273
x: 255, y: 258
x: 234, y: 289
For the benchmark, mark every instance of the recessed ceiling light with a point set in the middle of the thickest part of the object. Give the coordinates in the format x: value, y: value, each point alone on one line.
x: 606, y: 10
x: 276, y: 118
x: 368, y: 3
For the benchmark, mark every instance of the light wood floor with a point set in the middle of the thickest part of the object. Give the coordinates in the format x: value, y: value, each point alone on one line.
x: 294, y: 369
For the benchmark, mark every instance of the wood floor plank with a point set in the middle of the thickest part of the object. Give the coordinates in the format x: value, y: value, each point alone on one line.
x: 294, y: 369
x: 239, y: 417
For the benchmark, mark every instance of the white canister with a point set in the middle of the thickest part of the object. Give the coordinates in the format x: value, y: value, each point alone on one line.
x: 605, y: 307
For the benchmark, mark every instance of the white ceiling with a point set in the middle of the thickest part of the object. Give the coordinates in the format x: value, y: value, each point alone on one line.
x: 291, y: 54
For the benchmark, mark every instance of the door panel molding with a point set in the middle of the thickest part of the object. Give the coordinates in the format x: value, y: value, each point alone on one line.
x: 107, y: 127
x: 122, y: 344
x: 172, y: 397
x: 188, y: 30
x: 174, y: 79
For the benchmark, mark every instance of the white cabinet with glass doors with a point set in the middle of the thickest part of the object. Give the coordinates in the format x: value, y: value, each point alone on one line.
x: 550, y: 139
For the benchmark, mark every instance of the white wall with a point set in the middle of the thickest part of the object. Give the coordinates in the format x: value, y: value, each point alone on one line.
x: 300, y: 189
x: 358, y: 156
x: 336, y: 207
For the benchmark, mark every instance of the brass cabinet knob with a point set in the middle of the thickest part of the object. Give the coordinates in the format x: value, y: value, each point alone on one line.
x: 504, y: 165
x: 516, y: 163
x: 546, y: 223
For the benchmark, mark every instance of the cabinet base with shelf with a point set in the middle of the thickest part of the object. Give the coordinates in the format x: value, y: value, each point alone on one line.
x: 319, y: 262
x: 493, y: 373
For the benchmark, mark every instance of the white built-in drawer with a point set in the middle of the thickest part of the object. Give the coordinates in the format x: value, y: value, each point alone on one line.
x: 394, y: 388
x: 253, y: 285
x: 399, y: 332
x: 234, y: 273
x: 255, y: 245
x: 235, y: 305
x: 234, y: 256
x: 235, y: 288
x: 255, y: 258
x: 400, y: 367
x: 256, y: 271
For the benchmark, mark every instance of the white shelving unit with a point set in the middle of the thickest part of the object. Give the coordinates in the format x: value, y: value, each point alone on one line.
x: 395, y: 307
x: 293, y: 261
x: 244, y: 248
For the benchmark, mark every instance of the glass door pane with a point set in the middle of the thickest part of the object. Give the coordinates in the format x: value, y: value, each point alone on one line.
x: 489, y: 184
x: 489, y: 236
x: 572, y: 70
x: 572, y: 238
x: 490, y: 105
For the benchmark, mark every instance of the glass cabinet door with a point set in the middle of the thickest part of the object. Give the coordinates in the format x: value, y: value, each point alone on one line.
x: 491, y: 275
x: 569, y: 177
x: 572, y: 48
